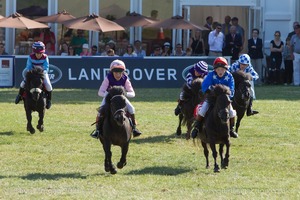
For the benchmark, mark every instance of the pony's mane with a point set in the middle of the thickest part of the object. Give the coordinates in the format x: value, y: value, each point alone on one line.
x: 217, y: 90
x: 240, y: 76
x: 115, y: 90
x: 36, y: 71
x: 195, y: 88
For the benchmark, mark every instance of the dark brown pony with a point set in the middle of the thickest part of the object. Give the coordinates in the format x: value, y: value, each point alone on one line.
x: 241, y: 97
x: 117, y: 128
x: 35, y: 99
x: 192, y: 98
x: 216, y: 126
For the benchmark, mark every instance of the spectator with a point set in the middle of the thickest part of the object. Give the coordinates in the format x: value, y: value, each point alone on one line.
x: 106, y: 48
x: 293, y: 32
x: 71, y: 51
x: 64, y: 51
x: 233, y: 44
x: 255, y: 52
x: 130, y: 51
x: 205, y: 36
x: 215, y: 41
x: 178, y: 51
x: 156, y: 51
x: 2, y: 49
x: 47, y: 36
x: 78, y: 41
x: 48, y: 49
x: 197, y: 44
x: 295, y: 44
x: 123, y: 47
x: 138, y: 49
x: 288, y: 62
x: 226, y: 25
x: 85, y: 50
x: 95, y: 51
x: 239, y: 30
x: 189, y: 51
x: 111, y: 52
x: 276, y: 48
x: 166, y: 51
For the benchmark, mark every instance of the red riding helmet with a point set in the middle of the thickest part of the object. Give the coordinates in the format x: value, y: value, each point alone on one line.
x: 221, y: 62
x: 38, y: 47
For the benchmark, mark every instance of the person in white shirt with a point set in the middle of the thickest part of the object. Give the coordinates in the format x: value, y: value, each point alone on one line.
x: 215, y: 41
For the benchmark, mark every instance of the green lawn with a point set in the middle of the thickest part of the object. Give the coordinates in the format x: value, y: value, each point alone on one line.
x: 64, y: 162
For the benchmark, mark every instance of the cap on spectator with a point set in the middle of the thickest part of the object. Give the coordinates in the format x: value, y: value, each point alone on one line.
x: 85, y: 46
x: 167, y: 44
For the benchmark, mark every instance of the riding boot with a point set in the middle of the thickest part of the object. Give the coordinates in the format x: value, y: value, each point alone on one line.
x: 135, y: 131
x: 197, y: 126
x: 232, y: 132
x: 177, y: 110
x: 48, y: 102
x: 249, y: 109
x: 99, y: 127
x: 19, y: 96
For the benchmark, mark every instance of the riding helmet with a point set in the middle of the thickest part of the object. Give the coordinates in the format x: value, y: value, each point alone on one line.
x: 117, y: 66
x: 244, y: 59
x: 221, y: 62
x: 201, y: 67
x: 38, y: 47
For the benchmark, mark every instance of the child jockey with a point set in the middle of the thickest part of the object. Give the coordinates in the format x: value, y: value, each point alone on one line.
x: 38, y: 58
x: 220, y: 75
x: 116, y: 77
x: 200, y: 69
x: 244, y: 64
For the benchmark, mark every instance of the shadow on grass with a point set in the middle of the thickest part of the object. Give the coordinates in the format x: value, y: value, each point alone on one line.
x: 157, y: 139
x: 7, y: 133
x: 170, y: 171
x: 40, y: 176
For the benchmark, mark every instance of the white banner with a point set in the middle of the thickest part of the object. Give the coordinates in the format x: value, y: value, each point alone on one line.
x: 6, y: 71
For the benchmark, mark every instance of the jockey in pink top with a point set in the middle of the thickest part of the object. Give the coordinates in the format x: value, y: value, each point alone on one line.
x: 116, y: 77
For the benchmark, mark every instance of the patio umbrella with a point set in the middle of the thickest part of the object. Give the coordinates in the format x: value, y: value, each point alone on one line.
x: 176, y: 22
x: 134, y: 20
x: 93, y: 22
x: 60, y: 17
x: 17, y: 20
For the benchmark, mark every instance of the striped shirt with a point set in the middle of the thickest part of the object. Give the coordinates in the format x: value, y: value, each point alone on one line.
x: 250, y: 70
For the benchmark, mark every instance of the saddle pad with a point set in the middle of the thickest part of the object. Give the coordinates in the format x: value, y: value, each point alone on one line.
x: 198, y: 107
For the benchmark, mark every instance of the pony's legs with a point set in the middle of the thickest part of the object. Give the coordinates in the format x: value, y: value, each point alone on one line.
x: 178, y: 131
x: 122, y: 161
x: 108, y: 165
x: 29, y: 120
x: 189, y: 125
x: 226, y: 159
x: 215, y: 155
x: 206, y: 152
x: 40, y: 125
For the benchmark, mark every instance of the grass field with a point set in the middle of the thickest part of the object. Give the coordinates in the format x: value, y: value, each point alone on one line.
x: 64, y: 162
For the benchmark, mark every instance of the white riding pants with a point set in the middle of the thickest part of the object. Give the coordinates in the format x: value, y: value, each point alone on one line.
x: 205, y: 106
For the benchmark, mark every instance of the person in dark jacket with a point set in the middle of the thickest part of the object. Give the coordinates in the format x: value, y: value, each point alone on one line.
x: 255, y: 45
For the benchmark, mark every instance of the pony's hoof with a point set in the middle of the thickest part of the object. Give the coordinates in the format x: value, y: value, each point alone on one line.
x: 40, y: 128
x: 120, y: 165
x: 31, y: 130
x: 187, y: 136
x: 217, y: 170
x: 178, y: 131
x: 113, y: 169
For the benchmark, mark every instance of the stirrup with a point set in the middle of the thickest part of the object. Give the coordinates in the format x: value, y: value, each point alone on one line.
x: 136, y: 132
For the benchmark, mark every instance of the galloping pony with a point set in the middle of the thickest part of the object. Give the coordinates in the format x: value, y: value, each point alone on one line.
x: 241, y: 97
x: 35, y: 98
x: 192, y: 98
x: 117, y: 129
x: 216, y: 126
